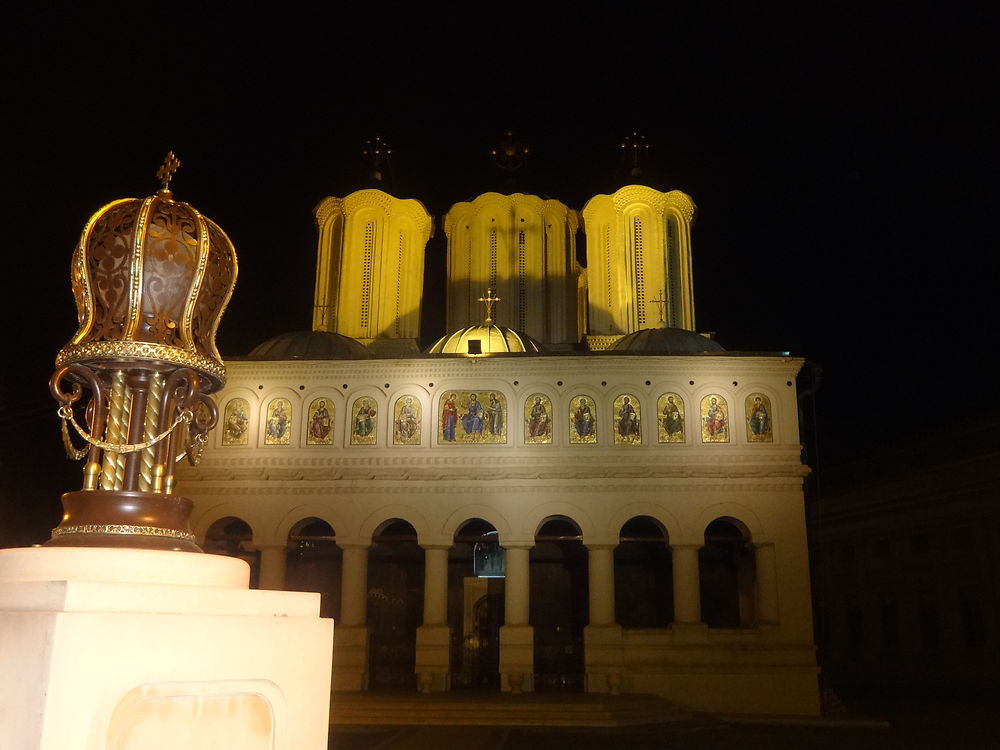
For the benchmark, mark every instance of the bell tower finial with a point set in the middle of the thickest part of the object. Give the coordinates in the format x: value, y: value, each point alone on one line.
x: 376, y: 153
x: 633, y: 149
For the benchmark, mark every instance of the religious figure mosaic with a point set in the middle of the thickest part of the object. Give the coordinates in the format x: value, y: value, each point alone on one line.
x: 670, y: 407
x: 714, y: 419
x: 758, y: 410
x: 406, y: 421
x: 537, y: 419
x: 627, y: 414
x: 473, y: 417
x: 236, y: 423
x: 320, y: 421
x: 363, y: 423
x: 582, y: 420
x: 278, y: 428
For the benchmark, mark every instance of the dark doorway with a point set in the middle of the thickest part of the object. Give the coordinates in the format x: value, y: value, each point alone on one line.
x: 559, y: 606
x: 314, y: 563
x: 726, y: 567
x: 395, y: 605
x: 475, y: 607
x: 644, y: 587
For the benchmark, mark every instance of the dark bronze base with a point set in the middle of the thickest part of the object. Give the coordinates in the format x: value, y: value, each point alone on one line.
x: 119, y: 518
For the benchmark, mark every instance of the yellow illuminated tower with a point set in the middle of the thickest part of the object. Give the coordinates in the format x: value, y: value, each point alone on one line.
x: 370, y: 267
x: 638, y: 262
x: 523, y: 248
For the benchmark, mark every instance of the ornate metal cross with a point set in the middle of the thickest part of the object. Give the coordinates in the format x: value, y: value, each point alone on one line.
x: 166, y: 171
x: 659, y: 302
x: 489, y: 300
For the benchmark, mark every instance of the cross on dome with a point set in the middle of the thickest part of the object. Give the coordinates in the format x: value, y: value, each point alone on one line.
x: 489, y: 300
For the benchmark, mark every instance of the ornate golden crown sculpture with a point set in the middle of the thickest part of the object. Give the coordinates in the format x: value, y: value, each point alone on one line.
x: 151, y: 280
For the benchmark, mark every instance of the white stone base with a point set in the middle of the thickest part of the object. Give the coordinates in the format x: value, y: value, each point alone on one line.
x: 106, y: 649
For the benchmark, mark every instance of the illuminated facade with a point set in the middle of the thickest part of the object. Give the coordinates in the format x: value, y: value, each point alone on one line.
x: 642, y: 485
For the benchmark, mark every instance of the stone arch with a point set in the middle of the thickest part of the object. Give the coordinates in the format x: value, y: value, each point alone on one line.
x: 223, y: 510
x: 667, y: 520
x: 740, y: 514
x: 468, y: 512
x: 313, y: 510
x: 407, y: 513
x: 537, y: 516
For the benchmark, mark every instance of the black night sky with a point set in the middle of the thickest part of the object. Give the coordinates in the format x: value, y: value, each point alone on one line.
x: 842, y: 160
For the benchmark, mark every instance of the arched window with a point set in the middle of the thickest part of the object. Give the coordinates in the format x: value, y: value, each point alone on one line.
x: 644, y: 589
x: 727, y: 571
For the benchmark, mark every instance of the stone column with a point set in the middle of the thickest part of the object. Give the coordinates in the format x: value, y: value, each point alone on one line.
x: 517, y: 637
x: 350, y: 658
x: 767, y: 584
x: 433, y: 658
x: 687, y: 591
x: 273, y: 559
x: 602, y: 638
x: 601, y: 577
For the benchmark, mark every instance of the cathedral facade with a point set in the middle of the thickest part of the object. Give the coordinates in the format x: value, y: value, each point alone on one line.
x: 571, y: 490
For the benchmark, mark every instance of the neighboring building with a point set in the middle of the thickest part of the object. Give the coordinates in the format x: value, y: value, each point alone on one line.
x: 905, y: 563
x: 529, y: 504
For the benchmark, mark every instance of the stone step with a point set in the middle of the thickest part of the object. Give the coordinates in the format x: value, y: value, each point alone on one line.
x: 499, y: 709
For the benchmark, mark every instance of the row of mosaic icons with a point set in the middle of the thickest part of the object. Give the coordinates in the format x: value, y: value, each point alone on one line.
x: 480, y: 417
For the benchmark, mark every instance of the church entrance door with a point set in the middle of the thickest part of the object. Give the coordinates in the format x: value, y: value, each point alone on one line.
x: 559, y: 606
x: 395, y: 606
x: 475, y: 607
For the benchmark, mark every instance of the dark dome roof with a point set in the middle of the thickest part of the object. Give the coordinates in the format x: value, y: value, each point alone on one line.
x: 665, y: 340
x: 310, y: 345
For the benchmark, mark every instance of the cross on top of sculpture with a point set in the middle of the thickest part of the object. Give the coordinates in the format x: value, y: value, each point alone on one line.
x: 489, y: 300
x: 166, y: 171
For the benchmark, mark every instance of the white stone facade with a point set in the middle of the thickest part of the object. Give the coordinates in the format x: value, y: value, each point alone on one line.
x: 766, y: 664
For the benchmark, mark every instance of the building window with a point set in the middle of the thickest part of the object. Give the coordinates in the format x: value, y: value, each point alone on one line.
x: 644, y: 590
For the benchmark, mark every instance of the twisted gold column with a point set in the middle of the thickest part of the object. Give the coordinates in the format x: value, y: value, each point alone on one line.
x: 151, y: 429
x: 113, y: 463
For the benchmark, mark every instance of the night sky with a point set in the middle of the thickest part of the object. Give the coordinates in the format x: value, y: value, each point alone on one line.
x: 842, y: 160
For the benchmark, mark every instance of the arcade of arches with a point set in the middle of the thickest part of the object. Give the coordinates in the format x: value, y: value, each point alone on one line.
x: 394, y: 587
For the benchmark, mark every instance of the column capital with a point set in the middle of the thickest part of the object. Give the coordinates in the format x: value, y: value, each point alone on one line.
x: 517, y: 544
x: 427, y: 547
x: 347, y: 544
x: 687, y: 545
x: 595, y: 546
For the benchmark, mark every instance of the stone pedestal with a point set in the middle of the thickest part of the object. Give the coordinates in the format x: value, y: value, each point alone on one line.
x: 130, y: 649
x: 433, y: 659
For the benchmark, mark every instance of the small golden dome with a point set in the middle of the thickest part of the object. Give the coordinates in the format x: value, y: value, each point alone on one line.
x: 486, y: 339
